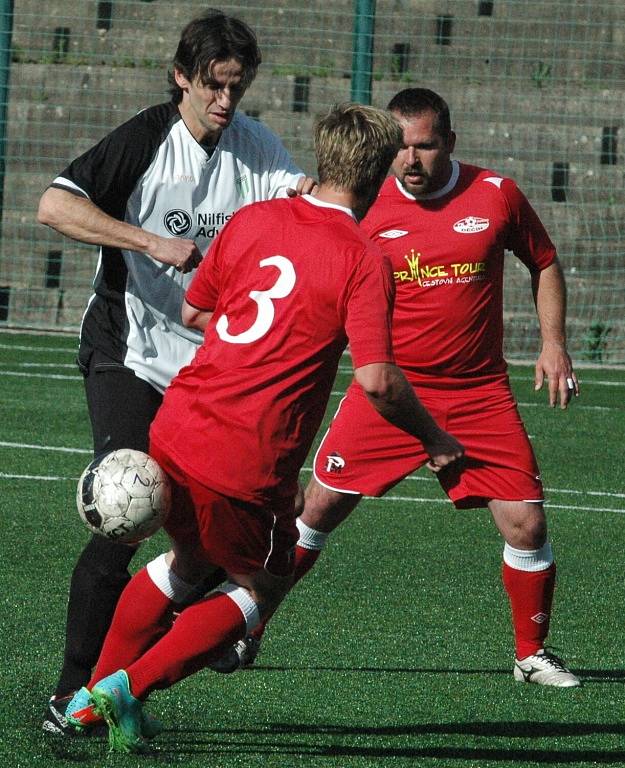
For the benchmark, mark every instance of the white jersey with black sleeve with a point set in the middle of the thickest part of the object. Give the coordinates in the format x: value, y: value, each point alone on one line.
x: 152, y: 173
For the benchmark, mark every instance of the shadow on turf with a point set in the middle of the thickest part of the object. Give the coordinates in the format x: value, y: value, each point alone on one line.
x: 269, y: 741
x: 601, y: 675
x: 262, y: 741
x: 586, y: 675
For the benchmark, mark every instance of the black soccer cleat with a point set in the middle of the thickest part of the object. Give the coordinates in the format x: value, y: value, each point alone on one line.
x: 241, y: 655
x: 55, y: 722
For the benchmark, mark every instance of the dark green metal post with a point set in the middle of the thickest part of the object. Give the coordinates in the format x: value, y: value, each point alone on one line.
x: 6, y: 33
x: 362, y: 60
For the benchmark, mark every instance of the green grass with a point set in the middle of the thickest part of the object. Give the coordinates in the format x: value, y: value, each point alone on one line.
x: 395, y: 651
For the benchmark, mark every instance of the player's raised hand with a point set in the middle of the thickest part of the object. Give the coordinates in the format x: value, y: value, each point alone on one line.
x: 178, y: 252
x: 555, y: 364
x: 443, y: 450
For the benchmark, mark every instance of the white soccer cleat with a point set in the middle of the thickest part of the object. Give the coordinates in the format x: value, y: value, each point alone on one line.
x: 544, y: 668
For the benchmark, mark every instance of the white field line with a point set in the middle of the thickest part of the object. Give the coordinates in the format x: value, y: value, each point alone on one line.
x: 386, y: 499
x: 8, y: 476
x: 53, y: 448
x: 53, y: 376
x: 414, y: 478
x: 342, y: 368
x: 78, y: 377
x: 548, y: 505
x: 583, y: 379
x: 27, y: 348
x: 575, y: 405
x: 570, y: 491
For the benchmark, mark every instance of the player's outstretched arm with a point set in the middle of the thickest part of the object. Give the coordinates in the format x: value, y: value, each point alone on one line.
x: 392, y: 396
x: 553, y: 362
x: 79, y: 218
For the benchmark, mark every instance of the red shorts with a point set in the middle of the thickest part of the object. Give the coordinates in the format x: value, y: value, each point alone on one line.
x: 363, y: 453
x: 235, y: 535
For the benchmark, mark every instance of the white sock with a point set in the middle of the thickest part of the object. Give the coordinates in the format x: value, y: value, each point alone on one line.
x: 171, y: 585
x: 309, y: 538
x: 244, y: 600
x: 528, y: 559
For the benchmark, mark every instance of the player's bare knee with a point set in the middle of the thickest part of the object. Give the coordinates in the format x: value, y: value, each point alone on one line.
x: 533, y: 525
x: 521, y: 523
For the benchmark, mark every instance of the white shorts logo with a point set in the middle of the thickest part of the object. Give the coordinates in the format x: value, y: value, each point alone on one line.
x: 471, y: 224
x: 391, y: 234
x: 334, y: 463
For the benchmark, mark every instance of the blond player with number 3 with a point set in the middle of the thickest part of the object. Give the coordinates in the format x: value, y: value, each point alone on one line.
x: 284, y: 287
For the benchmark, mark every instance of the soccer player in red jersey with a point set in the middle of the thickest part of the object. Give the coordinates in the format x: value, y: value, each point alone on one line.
x: 284, y: 287
x: 445, y: 225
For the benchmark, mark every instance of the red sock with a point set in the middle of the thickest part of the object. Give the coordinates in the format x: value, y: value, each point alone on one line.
x: 201, y: 632
x: 530, y: 594
x: 142, y: 615
x: 304, y: 561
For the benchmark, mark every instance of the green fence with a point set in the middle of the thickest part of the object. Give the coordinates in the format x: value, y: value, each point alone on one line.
x: 537, y: 92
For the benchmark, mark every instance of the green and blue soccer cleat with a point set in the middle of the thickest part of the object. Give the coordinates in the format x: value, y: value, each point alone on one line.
x: 123, y: 713
x: 80, y: 713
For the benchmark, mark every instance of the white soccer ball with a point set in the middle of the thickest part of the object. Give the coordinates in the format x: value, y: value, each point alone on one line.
x: 124, y: 495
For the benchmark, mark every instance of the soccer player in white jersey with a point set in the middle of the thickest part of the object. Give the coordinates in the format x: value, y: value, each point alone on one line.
x: 281, y: 291
x: 445, y: 226
x: 153, y: 194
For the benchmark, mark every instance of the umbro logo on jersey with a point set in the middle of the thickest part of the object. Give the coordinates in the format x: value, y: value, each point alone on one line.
x: 334, y: 463
x: 391, y: 234
x: 471, y: 224
x: 177, y: 222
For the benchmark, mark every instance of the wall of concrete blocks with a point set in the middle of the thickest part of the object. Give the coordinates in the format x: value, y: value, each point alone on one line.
x: 537, y: 92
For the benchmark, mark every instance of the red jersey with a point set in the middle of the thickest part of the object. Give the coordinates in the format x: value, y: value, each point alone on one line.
x: 447, y: 251
x: 289, y: 282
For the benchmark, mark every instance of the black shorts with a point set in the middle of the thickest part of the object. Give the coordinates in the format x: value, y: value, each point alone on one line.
x: 121, y: 407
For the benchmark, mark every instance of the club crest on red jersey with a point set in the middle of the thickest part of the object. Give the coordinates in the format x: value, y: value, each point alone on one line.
x: 471, y: 224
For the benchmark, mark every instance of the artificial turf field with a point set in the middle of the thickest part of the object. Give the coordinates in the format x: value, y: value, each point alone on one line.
x: 396, y: 650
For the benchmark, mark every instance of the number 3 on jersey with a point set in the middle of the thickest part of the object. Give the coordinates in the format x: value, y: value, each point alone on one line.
x: 279, y: 290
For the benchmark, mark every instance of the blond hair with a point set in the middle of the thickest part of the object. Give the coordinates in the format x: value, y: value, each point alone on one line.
x: 355, y: 145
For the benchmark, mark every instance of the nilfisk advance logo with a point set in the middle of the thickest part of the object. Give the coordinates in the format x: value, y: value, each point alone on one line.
x: 179, y: 223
